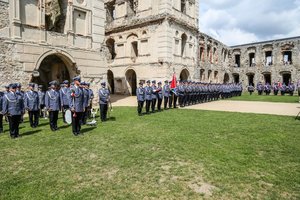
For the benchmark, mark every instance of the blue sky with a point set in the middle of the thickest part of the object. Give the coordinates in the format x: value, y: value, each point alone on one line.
x: 237, y: 22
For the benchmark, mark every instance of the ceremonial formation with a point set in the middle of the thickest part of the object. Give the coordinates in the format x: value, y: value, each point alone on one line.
x: 276, y: 88
x: 73, y: 100
x: 181, y: 93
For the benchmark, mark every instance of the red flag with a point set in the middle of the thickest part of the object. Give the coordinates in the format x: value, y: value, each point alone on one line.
x: 174, y: 81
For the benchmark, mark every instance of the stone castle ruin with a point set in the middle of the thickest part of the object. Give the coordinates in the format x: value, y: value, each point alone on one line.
x: 127, y: 41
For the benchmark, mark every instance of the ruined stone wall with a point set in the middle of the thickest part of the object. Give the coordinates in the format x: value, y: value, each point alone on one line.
x: 4, y: 14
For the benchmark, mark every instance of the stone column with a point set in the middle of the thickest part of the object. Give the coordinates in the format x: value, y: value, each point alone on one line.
x: 69, y: 23
x: 41, y: 22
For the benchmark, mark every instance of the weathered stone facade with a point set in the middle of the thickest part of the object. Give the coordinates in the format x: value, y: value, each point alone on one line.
x: 268, y: 61
x: 150, y: 40
x: 40, y: 46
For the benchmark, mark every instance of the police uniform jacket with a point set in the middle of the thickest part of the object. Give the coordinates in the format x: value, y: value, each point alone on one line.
x: 76, y: 99
x: 1, y: 101
x: 52, y: 100
x: 159, y: 92
x: 154, y: 92
x: 64, y: 94
x: 140, y: 94
x: 86, y: 95
x: 103, y: 95
x: 148, y: 93
x: 166, y: 90
x: 31, y: 101
x: 41, y: 98
x: 12, y: 104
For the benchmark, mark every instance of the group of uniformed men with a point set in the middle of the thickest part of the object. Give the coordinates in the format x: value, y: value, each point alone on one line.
x: 185, y: 93
x: 276, y: 87
x: 77, y: 98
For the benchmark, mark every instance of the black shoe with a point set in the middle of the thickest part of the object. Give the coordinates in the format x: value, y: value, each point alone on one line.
x: 1, y: 131
x: 75, y: 134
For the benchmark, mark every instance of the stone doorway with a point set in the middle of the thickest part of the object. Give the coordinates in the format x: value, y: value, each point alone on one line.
x: 131, y: 81
x: 111, y: 82
x: 251, y: 79
x: 267, y: 78
x: 226, y: 78
x: 286, y: 78
x: 52, y: 68
x: 236, y: 78
x: 184, y: 75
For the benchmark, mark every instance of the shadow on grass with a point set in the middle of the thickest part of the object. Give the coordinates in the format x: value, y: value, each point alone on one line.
x: 111, y: 119
x: 30, y: 133
x: 86, y: 130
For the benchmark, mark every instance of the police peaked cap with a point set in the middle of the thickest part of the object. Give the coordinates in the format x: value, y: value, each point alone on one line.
x: 31, y: 84
x: 13, y: 85
x: 148, y: 81
x: 166, y: 81
x: 66, y: 82
x: 159, y: 82
x: 103, y: 83
x: 77, y: 78
x: 154, y: 81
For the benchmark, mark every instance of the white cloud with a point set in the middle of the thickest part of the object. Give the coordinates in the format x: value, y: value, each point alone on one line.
x: 243, y: 22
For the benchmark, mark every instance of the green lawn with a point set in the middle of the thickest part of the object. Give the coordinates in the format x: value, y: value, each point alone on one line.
x: 176, y: 154
x: 255, y: 97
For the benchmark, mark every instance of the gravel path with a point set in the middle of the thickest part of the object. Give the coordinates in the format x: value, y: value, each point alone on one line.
x: 288, y: 109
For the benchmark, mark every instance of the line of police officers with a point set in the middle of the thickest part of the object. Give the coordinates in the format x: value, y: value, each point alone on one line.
x: 185, y: 93
x: 78, y: 98
x: 277, y: 88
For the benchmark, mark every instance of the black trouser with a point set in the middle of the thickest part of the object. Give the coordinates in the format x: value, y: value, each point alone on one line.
x: 181, y: 100
x: 275, y: 92
x: 1, y: 123
x: 14, y: 122
x: 166, y: 100
x: 282, y: 93
x: 53, y: 116
x: 85, y: 115
x: 175, y: 101
x: 65, y: 107
x: 159, y: 102
x: 140, y: 107
x: 42, y: 106
x: 103, y: 112
x: 76, y: 122
x: 148, y: 103
x: 153, y: 104
x: 170, y: 101
x: 33, y: 118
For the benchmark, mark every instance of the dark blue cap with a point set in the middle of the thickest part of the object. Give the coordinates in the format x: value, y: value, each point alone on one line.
x: 166, y: 81
x: 148, y: 81
x: 159, y: 82
x: 77, y: 78
x: 103, y: 83
x: 153, y: 81
x: 141, y: 83
x: 31, y: 84
x: 53, y: 83
x: 88, y: 84
x: 6, y: 86
x: 18, y: 85
x: 13, y: 85
x: 82, y: 83
x: 66, y: 82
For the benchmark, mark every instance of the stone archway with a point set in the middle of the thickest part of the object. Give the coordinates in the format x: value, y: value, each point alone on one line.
x: 184, y: 75
x: 111, y: 81
x: 131, y: 79
x: 226, y: 78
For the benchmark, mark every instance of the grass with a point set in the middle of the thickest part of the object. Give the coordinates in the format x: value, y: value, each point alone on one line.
x: 271, y: 98
x: 176, y: 154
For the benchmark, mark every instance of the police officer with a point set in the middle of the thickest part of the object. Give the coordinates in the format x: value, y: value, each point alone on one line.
x: 90, y: 103
x: 154, y: 96
x: 104, y: 98
x: 250, y: 89
x: 64, y: 94
x: 86, y: 94
x: 171, y: 96
x: 13, y: 107
x: 181, y: 94
x: 159, y: 96
x: 148, y: 96
x: 166, y: 93
x: 53, y: 105
x: 21, y: 93
x: 175, y: 96
x: 77, y: 103
x: 31, y: 104
x: 140, y: 95
x: 1, y: 114
x: 41, y: 94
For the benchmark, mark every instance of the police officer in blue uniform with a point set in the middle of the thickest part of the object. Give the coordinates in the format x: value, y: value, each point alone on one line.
x: 154, y: 96
x: 159, y: 92
x: 86, y: 95
x: 148, y: 94
x: 64, y: 93
x: 90, y: 103
x: 13, y: 108
x: 21, y: 93
x: 104, y: 98
x: 76, y: 102
x: 41, y: 94
x: 31, y: 104
x: 140, y: 95
x: 53, y: 105
x: 166, y: 93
